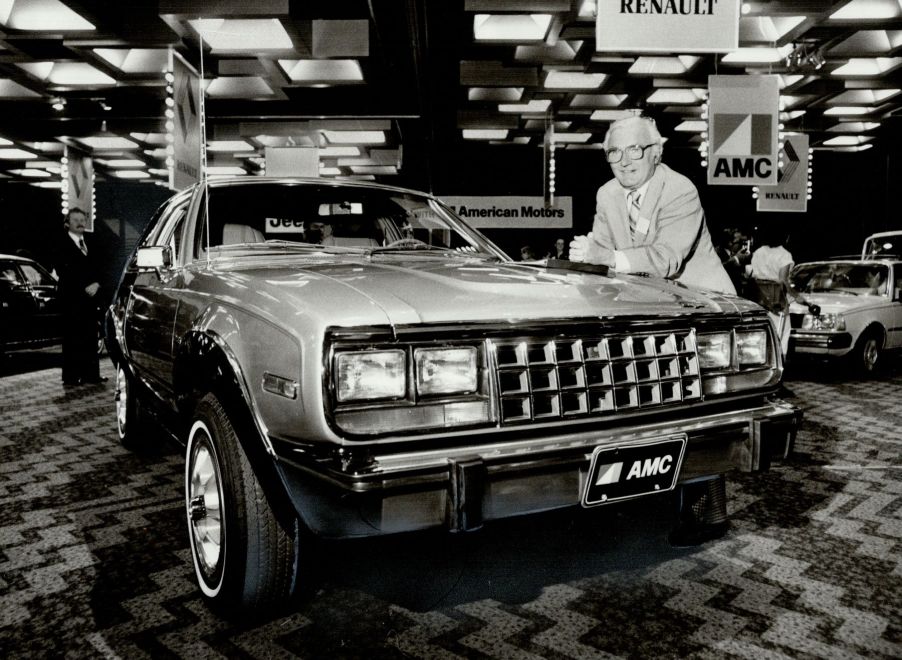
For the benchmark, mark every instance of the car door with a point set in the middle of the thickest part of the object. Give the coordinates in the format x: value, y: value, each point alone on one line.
x: 894, y: 328
x: 47, y: 313
x: 17, y: 306
x: 151, y: 307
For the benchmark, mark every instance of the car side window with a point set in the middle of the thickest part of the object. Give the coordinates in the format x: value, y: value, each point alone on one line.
x: 897, y: 287
x: 36, y: 277
x: 9, y: 275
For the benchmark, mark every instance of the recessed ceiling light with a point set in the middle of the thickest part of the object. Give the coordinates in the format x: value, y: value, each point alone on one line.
x: 756, y: 55
x: 47, y: 184
x: 230, y: 35
x: 355, y: 137
x: 41, y: 15
x: 108, y: 142
x: 676, y: 96
x: 573, y: 80
x: 228, y: 145
x: 485, y: 133
x: 510, y: 27
x: 136, y: 60
x: 495, y: 94
x: 854, y: 127
x: 849, y: 110
x: 31, y: 173
x: 131, y: 174
x: 597, y: 100
x: 326, y: 71
x: 67, y: 73
x: 864, y: 96
x: 536, y: 105
x: 122, y: 162
x: 867, y: 66
x: 861, y: 10
x: 239, y: 87
x: 16, y: 154
x: 847, y: 140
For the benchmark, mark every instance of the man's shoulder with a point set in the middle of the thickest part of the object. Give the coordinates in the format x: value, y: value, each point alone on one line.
x: 609, y: 189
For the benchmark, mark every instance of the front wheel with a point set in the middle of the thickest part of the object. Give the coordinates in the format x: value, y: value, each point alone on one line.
x: 868, y: 354
x: 244, y: 557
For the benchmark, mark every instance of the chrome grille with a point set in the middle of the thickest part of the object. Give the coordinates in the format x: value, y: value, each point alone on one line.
x: 543, y: 379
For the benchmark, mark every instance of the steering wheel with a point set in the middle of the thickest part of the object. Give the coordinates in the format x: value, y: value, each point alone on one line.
x: 410, y: 242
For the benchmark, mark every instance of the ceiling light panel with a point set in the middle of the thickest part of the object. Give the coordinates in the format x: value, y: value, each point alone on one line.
x: 122, y: 162
x: 766, y: 29
x: 242, y: 35
x: 322, y: 71
x: 597, y: 100
x: 334, y: 152
x: 663, y: 66
x: 612, y: 115
x: 67, y: 73
x: 495, y: 94
x: 867, y: 66
x: 226, y: 170
x: 108, y: 142
x: 355, y: 137
x: 868, y: 10
x: 41, y: 15
x: 31, y: 173
x: 511, y: 27
x: 692, y: 126
x: 847, y: 140
x: 239, y: 87
x: 868, y: 42
x: 16, y: 154
x: 677, y: 96
x: 135, y: 60
x: 485, y: 133
x: 536, y: 105
x: 849, y: 110
x: 562, y: 51
x: 863, y: 96
x: 226, y: 146
x: 572, y: 137
x: 10, y: 89
x: 854, y: 127
x: 573, y: 80
x: 756, y: 55
x: 130, y: 174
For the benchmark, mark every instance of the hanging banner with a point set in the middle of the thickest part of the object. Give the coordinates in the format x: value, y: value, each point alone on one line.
x: 513, y: 212
x: 667, y: 26
x: 80, y: 183
x: 185, y: 170
x: 743, y: 113
x: 791, y: 191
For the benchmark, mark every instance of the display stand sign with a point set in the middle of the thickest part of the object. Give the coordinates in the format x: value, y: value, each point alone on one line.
x: 743, y: 113
x: 513, y: 212
x: 186, y: 124
x: 80, y: 180
x: 791, y: 192
x: 667, y: 26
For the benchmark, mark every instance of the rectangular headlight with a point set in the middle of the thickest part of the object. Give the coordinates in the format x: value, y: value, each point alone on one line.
x: 445, y: 370
x: 365, y: 375
x: 823, y: 322
x: 714, y: 350
x: 752, y: 348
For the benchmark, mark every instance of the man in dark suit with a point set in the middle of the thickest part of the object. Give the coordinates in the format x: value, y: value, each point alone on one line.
x: 79, y: 285
x: 649, y: 219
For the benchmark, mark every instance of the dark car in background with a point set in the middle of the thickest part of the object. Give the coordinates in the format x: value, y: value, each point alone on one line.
x: 29, y: 305
x: 350, y: 360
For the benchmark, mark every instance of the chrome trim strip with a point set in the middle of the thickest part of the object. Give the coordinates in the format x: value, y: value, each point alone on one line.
x: 392, y: 463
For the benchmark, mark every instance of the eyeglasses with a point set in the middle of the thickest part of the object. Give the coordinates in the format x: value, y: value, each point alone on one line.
x: 634, y: 151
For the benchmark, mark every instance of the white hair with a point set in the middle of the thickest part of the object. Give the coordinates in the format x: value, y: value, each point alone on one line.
x: 625, y: 122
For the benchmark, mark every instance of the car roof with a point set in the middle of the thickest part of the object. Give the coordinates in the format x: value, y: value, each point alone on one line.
x: 227, y: 181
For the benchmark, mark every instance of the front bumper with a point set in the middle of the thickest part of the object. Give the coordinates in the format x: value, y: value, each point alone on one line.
x: 820, y: 343
x: 461, y: 487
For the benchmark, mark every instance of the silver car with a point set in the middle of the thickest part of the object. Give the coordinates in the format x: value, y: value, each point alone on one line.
x: 345, y: 359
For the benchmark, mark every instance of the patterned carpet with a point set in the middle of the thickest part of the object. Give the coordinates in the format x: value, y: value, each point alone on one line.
x: 94, y: 559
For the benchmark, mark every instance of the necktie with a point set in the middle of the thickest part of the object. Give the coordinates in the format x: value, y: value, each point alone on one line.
x: 82, y: 246
x: 633, y: 202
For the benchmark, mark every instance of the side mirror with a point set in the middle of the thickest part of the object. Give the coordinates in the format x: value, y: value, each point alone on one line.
x: 154, y: 257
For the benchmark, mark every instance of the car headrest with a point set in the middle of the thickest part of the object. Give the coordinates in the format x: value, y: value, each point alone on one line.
x: 234, y: 233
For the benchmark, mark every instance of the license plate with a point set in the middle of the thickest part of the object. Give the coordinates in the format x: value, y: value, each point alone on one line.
x: 633, y: 470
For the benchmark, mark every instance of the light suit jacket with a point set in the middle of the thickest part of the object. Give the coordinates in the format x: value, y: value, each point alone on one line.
x: 677, y: 245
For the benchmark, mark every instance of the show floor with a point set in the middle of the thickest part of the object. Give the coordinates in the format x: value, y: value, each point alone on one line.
x: 94, y: 559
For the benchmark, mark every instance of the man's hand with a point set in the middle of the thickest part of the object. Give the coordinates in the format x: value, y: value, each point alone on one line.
x: 579, y: 247
x: 92, y: 289
x: 582, y: 246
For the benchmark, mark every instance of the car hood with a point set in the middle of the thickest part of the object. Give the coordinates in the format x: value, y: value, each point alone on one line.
x: 391, y: 289
x: 838, y: 303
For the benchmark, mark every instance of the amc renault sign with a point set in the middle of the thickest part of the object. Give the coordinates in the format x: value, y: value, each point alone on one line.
x: 667, y: 26
x: 743, y: 115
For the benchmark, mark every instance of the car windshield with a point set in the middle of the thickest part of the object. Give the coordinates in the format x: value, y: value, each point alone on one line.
x: 842, y: 278
x: 329, y: 217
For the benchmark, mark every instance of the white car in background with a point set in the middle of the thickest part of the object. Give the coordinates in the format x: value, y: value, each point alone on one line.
x: 860, y: 304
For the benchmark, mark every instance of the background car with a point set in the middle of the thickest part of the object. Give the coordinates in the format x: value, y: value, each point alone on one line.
x: 29, y: 305
x: 860, y: 310
x: 347, y: 359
